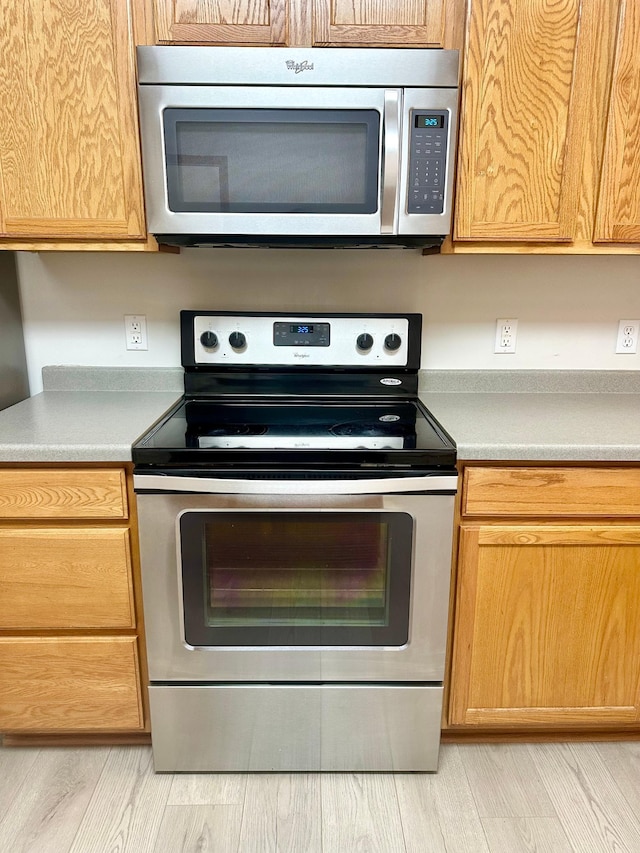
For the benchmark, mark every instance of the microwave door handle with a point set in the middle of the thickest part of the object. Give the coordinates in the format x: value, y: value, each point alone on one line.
x: 390, y: 160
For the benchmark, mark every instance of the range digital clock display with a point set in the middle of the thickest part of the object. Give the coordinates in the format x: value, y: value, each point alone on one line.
x: 301, y: 334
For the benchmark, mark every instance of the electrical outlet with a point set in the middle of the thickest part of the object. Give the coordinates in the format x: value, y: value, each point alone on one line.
x: 135, y: 330
x: 506, y: 331
x: 627, y: 341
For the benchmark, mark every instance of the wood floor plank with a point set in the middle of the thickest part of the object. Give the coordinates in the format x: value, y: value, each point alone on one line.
x: 299, y: 814
x: 207, y: 789
x: 127, y: 806
x: 281, y: 813
x: 504, y: 781
x: 195, y: 829
x: 526, y: 835
x: 591, y: 807
x: 51, y: 801
x: 622, y: 760
x: 16, y: 763
x: 438, y: 812
x: 360, y: 812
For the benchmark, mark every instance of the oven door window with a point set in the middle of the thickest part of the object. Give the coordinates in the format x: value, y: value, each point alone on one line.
x: 272, y: 161
x: 296, y: 579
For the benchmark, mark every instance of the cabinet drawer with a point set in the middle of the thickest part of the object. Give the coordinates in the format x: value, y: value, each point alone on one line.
x: 69, y: 684
x: 558, y: 492
x: 65, y: 578
x: 54, y: 493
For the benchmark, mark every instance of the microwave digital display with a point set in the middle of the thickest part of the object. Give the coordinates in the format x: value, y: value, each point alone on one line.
x: 429, y: 121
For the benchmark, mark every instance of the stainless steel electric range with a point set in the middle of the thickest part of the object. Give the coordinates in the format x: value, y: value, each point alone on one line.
x: 296, y: 513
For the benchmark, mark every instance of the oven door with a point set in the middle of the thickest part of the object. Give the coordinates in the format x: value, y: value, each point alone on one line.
x: 297, y: 587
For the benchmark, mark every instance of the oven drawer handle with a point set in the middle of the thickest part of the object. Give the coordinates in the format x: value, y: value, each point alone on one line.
x: 210, y: 485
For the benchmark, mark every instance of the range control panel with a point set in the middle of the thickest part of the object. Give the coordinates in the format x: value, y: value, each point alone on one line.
x: 427, y: 160
x: 306, y: 340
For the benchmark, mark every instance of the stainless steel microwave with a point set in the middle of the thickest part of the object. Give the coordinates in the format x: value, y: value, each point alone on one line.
x: 298, y: 147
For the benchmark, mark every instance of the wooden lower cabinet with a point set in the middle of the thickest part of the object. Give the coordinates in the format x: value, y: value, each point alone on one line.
x: 71, y: 657
x: 547, y: 626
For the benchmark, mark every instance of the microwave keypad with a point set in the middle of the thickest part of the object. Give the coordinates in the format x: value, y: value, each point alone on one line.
x: 428, y: 154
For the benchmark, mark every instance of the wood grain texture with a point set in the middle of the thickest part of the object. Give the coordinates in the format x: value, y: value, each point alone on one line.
x: 486, y: 768
x: 222, y: 21
x: 556, y: 492
x: 526, y: 834
x: 127, y: 806
x: 66, y: 578
x: 439, y: 812
x: 51, y: 801
x: 281, y: 812
x: 546, y: 633
x: 379, y: 22
x: 593, y: 810
x: 69, y: 683
x: 514, y: 181
x: 148, y: 245
x: 69, y: 150
x: 360, y: 812
x: 618, y: 215
x: 63, y: 493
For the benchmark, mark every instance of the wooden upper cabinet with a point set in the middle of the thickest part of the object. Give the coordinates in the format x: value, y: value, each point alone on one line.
x: 515, y: 180
x: 69, y: 150
x: 414, y: 23
x: 618, y: 214
x: 222, y: 21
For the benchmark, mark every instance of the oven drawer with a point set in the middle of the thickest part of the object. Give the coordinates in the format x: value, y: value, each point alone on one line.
x: 57, y: 493
x: 268, y: 727
x: 69, y: 684
x: 66, y: 577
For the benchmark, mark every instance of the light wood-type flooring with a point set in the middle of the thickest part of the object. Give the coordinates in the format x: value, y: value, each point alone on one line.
x: 502, y: 798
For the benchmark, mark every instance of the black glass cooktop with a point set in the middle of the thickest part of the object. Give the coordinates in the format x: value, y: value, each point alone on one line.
x: 233, y: 433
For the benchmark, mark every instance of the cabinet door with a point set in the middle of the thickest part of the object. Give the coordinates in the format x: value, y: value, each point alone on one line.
x: 523, y: 80
x: 69, y: 151
x: 384, y: 22
x: 221, y: 21
x: 618, y: 215
x: 547, y: 626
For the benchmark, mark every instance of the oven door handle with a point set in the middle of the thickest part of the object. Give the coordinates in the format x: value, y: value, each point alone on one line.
x: 436, y: 483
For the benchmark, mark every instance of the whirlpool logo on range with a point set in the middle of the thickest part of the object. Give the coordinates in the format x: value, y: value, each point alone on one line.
x: 301, y: 355
x: 299, y: 66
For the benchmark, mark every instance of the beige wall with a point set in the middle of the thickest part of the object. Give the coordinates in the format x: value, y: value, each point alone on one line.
x: 567, y: 307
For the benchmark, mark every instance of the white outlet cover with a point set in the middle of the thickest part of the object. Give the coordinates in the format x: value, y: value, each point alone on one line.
x: 627, y: 340
x: 506, y: 333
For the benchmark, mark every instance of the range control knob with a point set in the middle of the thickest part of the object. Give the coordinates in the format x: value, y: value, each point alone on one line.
x: 392, y: 342
x: 237, y: 340
x: 364, y: 341
x: 209, y: 340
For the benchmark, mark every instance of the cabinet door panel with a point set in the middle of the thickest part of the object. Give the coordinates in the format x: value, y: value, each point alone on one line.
x: 221, y: 21
x: 381, y: 22
x: 69, y: 151
x: 547, y: 630
x: 618, y: 216
x: 69, y: 684
x: 515, y: 181
x: 65, y: 578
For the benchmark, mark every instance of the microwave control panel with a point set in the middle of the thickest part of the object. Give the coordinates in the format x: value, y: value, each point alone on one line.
x: 428, y: 135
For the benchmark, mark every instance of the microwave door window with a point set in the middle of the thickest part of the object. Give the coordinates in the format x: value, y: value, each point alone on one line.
x: 272, y: 161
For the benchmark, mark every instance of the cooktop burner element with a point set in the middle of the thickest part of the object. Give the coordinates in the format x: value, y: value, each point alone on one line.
x: 300, y: 392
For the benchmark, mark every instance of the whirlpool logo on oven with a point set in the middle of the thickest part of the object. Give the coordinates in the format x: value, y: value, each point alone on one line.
x: 301, y: 355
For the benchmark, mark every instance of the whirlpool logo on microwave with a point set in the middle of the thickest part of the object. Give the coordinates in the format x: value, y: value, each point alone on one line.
x: 299, y: 66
